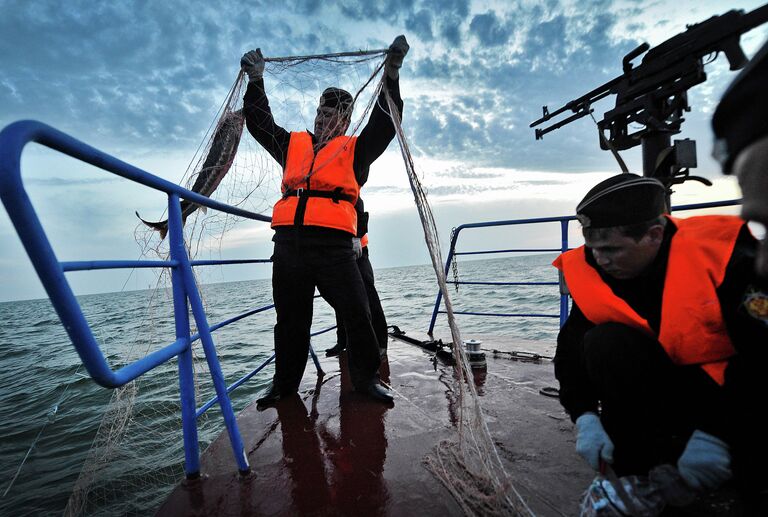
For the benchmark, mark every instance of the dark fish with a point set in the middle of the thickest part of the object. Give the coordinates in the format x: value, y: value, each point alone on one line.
x: 215, y: 167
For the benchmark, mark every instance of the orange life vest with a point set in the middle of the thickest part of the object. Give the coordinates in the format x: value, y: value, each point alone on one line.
x: 318, y: 189
x: 692, y: 328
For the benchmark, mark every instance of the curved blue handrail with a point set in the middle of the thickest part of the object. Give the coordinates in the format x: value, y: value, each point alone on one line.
x: 13, y: 140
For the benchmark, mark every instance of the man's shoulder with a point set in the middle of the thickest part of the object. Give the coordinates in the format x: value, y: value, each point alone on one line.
x: 708, y: 228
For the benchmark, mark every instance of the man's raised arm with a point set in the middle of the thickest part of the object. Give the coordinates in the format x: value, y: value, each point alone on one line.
x: 379, y: 131
x: 258, y: 115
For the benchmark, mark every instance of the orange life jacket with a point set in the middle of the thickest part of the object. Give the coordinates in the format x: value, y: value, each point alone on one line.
x: 692, y: 328
x: 318, y: 189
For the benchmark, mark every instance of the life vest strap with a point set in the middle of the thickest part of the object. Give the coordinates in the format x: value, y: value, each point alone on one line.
x: 336, y: 194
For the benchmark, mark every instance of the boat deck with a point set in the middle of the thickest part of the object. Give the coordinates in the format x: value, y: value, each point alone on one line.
x: 330, y: 451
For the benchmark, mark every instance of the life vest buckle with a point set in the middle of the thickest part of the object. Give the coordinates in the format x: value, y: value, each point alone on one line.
x: 299, y: 192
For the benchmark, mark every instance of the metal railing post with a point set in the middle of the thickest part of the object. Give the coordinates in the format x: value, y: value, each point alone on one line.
x: 439, y: 297
x: 320, y: 372
x: 563, y: 249
x: 186, y: 368
x: 185, y: 271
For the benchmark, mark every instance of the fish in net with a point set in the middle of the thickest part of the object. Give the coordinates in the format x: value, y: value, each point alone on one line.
x: 216, y: 164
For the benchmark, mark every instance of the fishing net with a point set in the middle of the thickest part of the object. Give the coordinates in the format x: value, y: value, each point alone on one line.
x: 468, y: 465
x: 136, y: 456
x: 142, y: 420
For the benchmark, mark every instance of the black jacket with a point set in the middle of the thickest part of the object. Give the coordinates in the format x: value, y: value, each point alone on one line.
x: 644, y: 294
x: 371, y: 143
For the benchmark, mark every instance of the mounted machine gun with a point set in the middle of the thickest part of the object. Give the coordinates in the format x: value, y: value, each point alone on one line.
x: 654, y: 94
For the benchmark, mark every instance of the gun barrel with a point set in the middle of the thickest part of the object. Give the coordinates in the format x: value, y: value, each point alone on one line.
x: 541, y: 132
x: 578, y: 105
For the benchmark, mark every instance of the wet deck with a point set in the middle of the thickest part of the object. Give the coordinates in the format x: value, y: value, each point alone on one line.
x: 331, y: 452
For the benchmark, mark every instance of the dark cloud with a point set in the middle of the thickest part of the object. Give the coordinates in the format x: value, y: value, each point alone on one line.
x: 377, y: 10
x: 458, y: 8
x: 489, y: 29
x: 450, y: 30
x: 420, y: 24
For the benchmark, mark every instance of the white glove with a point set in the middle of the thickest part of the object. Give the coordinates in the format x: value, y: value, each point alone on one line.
x: 706, y: 462
x: 357, y: 247
x: 395, y: 55
x: 252, y: 63
x: 592, y: 442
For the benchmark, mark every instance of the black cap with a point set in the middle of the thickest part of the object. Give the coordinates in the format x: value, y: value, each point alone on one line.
x: 622, y: 200
x: 741, y: 118
x: 336, y: 98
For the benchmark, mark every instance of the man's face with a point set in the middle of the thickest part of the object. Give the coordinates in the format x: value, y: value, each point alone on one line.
x: 623, y: 257
x: 751, y: 167
x: 329, y: 123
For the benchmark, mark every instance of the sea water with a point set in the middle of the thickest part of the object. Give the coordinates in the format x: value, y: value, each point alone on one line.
x: 47, y: 398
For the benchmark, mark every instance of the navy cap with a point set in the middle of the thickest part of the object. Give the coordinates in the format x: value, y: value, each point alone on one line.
x: 741, y: 118
x: 622, y: 200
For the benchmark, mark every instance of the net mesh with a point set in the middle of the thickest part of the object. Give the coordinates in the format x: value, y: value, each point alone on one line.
x: 142, y: 419
x: 468, y: 465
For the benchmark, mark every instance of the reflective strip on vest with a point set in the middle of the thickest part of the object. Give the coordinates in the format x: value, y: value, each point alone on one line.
x: 692, y: 327
x: 330, y: 169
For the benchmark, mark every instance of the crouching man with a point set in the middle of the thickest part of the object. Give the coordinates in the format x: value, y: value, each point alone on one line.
x: 660, y: 311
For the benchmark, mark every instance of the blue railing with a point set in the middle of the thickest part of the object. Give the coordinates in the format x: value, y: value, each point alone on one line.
x: 563, y: 220
x: 51, y: 271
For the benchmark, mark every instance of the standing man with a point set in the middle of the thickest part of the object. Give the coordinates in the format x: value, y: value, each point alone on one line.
x: 659, y: 318
x: 315, y: 222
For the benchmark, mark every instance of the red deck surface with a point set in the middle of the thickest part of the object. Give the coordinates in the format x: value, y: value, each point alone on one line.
x: 330, y: 451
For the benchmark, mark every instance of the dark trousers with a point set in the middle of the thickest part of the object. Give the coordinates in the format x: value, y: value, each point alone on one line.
x: 296, y: 271
x: 649, y: 405
x: 378, y: 320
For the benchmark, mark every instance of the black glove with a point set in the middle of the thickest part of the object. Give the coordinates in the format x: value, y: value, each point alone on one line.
x: 395, y: 55
x: 252, y: 63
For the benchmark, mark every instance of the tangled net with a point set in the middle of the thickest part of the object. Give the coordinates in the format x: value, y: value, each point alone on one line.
x: 241, y: 173
x: 469, y: 465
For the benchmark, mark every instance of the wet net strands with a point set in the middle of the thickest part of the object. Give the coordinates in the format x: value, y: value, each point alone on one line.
x: 469, y: 466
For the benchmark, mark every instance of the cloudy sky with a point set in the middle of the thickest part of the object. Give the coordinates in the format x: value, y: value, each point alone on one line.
x: 142, y: 80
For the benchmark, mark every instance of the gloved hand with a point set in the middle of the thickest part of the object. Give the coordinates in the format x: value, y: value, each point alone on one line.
x: 592, y: 442
x: 357, y: 247
x: 252, y: 63
x: 395, y: 55
x: 706, y: 462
